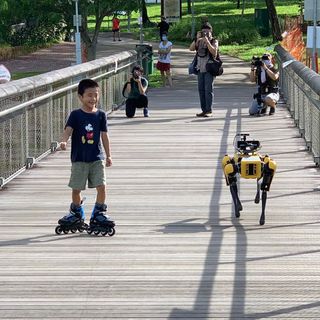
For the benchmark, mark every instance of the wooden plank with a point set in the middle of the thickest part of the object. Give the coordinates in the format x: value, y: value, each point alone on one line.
x: 178, y: 252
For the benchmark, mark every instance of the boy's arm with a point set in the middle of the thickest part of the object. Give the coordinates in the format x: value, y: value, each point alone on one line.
x: 106, y: 146
x: 65, y: 137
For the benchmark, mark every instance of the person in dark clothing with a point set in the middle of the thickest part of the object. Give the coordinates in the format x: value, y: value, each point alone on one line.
x: 163, y: 26
x: 136, y: 89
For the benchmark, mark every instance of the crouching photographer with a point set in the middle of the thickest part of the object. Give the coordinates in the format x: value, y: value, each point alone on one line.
x: 266, y: 76
x: 135, y: 92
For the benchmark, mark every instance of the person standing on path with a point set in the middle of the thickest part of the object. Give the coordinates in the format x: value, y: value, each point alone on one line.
x: 206, y: 47
x: 163, y: 26
x: 116, y: 27
x: 164, y: 61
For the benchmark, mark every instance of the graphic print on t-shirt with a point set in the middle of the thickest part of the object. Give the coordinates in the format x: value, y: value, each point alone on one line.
x: 88, y: 138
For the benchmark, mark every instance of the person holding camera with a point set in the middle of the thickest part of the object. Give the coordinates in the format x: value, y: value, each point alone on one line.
x: 266, y: 76
x: 135, y: 90
x: 206, y: 47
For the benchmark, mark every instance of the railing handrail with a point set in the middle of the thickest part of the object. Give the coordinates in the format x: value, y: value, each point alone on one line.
x: 31, y: 83
x: 33, y: 110
x: 56, y: 92
x: 300, y: 87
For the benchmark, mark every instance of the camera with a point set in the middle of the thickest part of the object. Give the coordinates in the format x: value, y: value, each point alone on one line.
x: 204, y: 34
x: 257, y: 61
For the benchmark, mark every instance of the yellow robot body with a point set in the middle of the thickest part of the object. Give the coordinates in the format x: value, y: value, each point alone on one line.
x: 249, y: 164
x: 251, y: 167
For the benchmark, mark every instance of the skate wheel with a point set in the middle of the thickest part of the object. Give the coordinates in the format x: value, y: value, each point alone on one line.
x: 89, y: 230
x: 65, y: 231
x: 96, y: 232
x: 58, y: 230
x: 111, y: 231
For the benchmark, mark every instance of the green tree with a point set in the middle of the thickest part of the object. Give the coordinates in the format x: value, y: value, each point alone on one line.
x: 99, y: 9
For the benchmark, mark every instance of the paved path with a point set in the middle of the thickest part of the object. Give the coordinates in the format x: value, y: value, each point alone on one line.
x: 62, y: 55
x: 178, y: 252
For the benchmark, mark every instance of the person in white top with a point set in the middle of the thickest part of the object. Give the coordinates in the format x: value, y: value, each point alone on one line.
x: 5, y: 75
x: 164, y: 60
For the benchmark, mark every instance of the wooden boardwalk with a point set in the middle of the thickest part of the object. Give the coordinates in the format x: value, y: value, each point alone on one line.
x: 178, y: 252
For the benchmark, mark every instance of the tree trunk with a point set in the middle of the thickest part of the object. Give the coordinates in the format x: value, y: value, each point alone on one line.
x: 243, y: 7
x: 238, y: 4
x: 91, y: 51
x: 145, y: 18
x: 189, y: 7
x: 273, y: 17
x: 91, y: 43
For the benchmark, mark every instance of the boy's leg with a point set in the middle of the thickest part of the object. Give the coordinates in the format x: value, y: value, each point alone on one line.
x: 130, y: 108
x: 101, y: 194
x: 76, y: 197
x: 168, y: 74
x: 143, y: 103
x: 163, y: 77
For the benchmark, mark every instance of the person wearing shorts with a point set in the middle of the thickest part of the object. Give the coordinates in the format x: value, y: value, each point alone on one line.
x: 88, y: 129
x: 164, y: 60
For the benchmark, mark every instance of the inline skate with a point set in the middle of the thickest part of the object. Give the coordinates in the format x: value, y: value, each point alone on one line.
x: 73, y: 221
x: 100, y: 222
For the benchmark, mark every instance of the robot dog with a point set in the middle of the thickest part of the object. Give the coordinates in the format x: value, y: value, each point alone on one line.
x: 249, y: 164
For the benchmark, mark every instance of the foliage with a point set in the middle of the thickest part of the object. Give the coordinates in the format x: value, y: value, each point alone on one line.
x: 155, y: 80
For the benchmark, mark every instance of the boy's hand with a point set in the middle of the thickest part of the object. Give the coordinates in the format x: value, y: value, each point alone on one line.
x: 63, y: 145
x: 108, y: 162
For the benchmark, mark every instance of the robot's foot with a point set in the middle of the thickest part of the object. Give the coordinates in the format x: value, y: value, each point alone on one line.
x: 107, y: 229
x: 80, y: 226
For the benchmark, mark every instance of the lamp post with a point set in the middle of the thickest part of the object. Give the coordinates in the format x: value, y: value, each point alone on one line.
x: 77, y: 35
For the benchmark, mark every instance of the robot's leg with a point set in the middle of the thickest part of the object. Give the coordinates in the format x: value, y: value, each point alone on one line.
x: 235, y: 198
x: 257, y: 198
x: 264, y: 202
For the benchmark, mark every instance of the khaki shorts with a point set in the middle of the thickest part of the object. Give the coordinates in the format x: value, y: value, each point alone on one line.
x: 93, y: 172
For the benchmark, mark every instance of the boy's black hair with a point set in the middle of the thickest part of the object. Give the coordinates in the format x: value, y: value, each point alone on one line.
x: 137, y: 67
x: 207, y: 25
x: 85, y: 84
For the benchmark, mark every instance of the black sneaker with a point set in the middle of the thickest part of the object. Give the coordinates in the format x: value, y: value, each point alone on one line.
x: 201, y: 114
x: 272, y: 111
x: 263, y: 110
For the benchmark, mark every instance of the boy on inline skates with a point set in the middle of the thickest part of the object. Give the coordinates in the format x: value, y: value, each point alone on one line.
x: 87, y: 127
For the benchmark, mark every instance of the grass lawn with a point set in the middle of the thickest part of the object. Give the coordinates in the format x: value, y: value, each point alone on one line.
x: 20, y: 75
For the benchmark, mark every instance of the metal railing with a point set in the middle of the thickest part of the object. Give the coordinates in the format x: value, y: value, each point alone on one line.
x: 300, y: 86
x: 33, y: 110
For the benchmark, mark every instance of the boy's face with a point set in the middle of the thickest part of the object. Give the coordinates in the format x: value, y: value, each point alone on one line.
x: 90, y: 98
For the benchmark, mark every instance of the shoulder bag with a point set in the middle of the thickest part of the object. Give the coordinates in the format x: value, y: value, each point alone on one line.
x: 214, y: 66
x: 192, y: 69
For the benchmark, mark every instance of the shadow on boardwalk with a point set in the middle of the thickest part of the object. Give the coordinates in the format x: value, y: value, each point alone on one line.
x: 178, y: 253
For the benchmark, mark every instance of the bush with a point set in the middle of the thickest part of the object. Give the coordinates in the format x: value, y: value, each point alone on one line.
x: 34, y: 36
x: 223, y: 27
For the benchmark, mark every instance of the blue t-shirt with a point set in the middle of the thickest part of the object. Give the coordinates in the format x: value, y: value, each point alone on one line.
x: 85, y: 141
